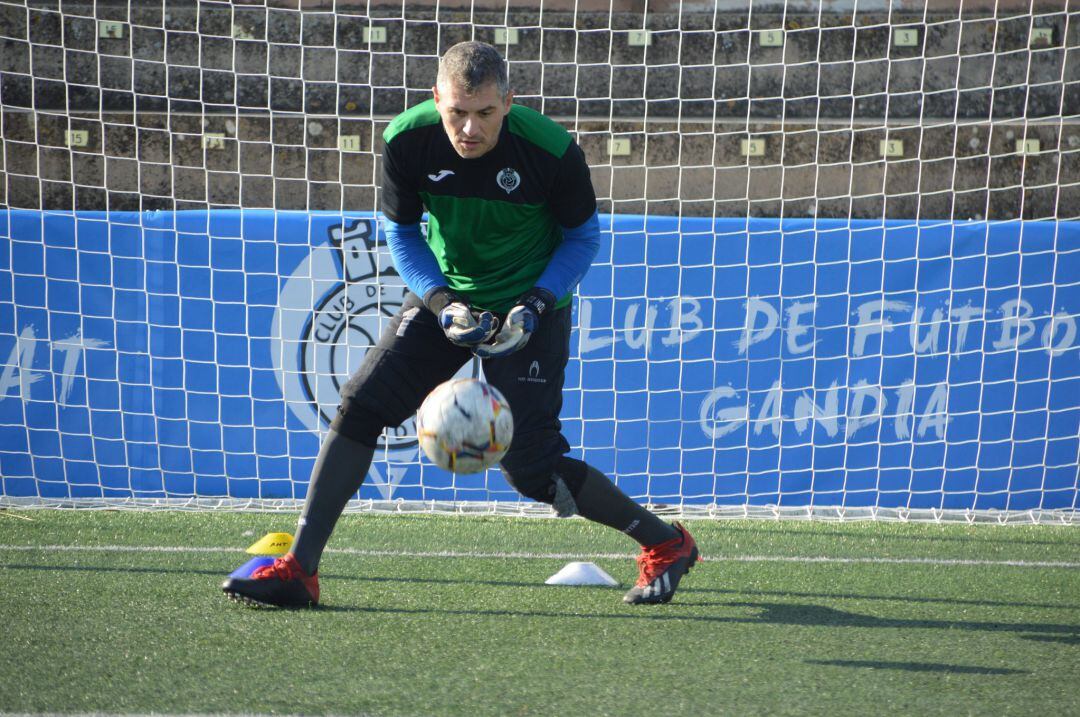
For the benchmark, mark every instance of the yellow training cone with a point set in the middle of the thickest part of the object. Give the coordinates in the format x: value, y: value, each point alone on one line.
x: 272, y: 544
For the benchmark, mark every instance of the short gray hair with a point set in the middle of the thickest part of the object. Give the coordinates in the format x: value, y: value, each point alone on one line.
x: 472, y: 65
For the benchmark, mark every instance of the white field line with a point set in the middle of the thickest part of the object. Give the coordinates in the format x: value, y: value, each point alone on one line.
x: 547, y: 556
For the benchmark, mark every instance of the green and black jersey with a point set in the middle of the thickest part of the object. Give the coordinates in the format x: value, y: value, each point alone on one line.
x: 493, y: 221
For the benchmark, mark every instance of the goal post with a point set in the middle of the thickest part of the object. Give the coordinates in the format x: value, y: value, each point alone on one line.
x: 837, y: 278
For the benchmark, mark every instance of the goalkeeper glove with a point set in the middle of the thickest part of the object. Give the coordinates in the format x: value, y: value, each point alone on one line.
x: 461, y: 326
x: 520, y: 324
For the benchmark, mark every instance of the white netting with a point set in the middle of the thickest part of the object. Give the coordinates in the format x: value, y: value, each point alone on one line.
x: 838, y: 279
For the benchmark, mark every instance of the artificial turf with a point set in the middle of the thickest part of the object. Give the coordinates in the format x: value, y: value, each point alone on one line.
x: 982, y: 626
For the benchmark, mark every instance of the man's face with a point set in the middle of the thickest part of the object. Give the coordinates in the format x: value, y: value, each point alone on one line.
x: 472, y: 120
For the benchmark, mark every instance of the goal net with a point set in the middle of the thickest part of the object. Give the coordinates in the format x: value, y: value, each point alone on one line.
x: 838, y: 275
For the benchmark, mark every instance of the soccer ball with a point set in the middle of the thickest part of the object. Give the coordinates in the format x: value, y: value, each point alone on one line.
x: 465, y: 426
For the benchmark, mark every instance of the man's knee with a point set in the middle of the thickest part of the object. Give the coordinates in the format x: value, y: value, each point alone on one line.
x: 539, y: 480
x: 381, y: 393
x: 359, y: 423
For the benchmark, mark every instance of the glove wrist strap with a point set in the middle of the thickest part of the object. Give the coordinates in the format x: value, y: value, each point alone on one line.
x: 440, y: 297
x: 537, y: 299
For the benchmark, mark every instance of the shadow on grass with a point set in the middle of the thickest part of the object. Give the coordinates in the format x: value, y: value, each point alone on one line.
x: 920, y: 667
x: 884, y: 598
x: 686, y: 591
x: 1063, y: 639
x: 225, y: 573
x: 733, y: 592
x: 768, y: 614
x: 820, y: 615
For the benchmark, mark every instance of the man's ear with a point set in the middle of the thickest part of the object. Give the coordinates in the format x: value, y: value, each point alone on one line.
x: 509, y: 99
x: 435, y: 93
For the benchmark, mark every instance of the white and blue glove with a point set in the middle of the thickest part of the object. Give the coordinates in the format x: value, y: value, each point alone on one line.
x: 520, y: 324
x: 461, y: 326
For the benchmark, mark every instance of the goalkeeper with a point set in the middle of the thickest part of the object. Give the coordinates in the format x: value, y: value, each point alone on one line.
x: 512, y: 229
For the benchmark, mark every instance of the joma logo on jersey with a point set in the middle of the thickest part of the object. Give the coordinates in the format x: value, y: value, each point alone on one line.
x: 508, y: 179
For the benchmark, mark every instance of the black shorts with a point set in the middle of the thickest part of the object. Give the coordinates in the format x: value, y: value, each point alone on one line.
x: 413, y: 356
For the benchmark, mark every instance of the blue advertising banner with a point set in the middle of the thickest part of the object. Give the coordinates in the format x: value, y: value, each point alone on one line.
x: 794, y: 362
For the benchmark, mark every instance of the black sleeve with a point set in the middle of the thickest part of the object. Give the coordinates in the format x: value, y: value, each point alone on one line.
x: 573, y: 198
x: 400, y: 200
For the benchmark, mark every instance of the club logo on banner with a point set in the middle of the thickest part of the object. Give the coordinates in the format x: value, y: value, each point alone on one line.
x: 331, y: 310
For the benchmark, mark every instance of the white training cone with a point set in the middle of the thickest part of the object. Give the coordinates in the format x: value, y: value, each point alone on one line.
x: 582, y: 574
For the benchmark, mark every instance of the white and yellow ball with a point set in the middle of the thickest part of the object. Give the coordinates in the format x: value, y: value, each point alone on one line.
x: 465, y: 425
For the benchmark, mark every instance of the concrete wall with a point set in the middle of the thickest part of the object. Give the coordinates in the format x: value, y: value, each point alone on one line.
x: 959, y: 100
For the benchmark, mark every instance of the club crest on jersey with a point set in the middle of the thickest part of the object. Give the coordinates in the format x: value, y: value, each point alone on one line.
x: 508, y: 179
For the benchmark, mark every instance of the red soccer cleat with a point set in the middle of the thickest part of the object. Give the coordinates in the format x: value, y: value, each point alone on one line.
x: 282, y: 584
x: 661, y: 567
